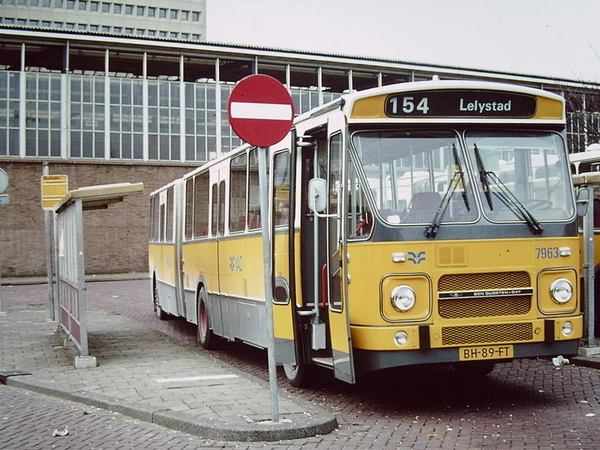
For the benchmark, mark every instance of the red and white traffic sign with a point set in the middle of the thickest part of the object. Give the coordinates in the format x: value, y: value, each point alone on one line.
x: 261, y: 110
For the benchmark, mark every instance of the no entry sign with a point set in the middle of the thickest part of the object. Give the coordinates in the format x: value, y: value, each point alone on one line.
x: 261, y: 110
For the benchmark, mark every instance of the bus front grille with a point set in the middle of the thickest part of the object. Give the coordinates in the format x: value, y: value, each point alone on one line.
x: 483, y: 281
x: 487, y: 334
x: 484, y: 307
x: 489, y: 305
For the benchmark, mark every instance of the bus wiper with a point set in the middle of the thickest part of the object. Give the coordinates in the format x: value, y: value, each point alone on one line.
x: 513, y: 203
x: 457, y: 178
x: 483, y: 177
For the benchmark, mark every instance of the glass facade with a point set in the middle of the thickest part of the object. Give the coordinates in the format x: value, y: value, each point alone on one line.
x: 119, y: 118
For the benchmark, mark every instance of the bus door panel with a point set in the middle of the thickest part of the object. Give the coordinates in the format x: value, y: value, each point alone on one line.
x: 282, y: 226
x: 178, y: 238
x: 217, y: 284
x: 338, y: 315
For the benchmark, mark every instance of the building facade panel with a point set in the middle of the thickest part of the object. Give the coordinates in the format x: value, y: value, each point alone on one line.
x: 107, y: 109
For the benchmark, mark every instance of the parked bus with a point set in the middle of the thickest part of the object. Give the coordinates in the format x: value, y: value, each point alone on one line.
x: 588, y: 162
x: 418, y: 223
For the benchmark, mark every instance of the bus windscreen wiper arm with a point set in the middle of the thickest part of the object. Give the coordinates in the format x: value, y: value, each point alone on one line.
x: 432, y: 228
x: 483, y: 177
x: 458, y: 177
x: 513, y: 203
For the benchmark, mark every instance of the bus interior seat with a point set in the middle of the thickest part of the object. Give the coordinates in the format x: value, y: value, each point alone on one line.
x: 423, y: 206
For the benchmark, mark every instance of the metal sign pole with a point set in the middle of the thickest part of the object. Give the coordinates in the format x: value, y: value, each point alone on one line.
x: 49, y: 269
x: 588, y: 268
x: 267, y: 255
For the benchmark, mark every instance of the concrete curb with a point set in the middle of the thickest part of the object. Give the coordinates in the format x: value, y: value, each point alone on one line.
x: 311, y: 423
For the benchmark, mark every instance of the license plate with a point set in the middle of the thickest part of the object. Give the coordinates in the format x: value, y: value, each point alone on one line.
x: 485, y: 352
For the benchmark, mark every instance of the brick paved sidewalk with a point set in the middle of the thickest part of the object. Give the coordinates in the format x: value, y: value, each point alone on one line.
x: 147, y: 375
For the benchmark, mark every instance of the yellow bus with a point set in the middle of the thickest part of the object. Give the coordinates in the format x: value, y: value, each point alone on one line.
x: 418, y: 223
x: 586, y: 166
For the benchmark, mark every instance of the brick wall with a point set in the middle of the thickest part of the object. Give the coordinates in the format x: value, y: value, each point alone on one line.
x: 115, y: 239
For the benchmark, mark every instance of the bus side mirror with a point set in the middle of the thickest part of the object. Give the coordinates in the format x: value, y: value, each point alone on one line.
x: 317, y: 195
x: 583, y: 201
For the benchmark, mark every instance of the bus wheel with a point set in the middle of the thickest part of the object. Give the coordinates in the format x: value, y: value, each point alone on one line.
x: 475, y: 370
x: 205, y: 335
x: 299, y: 375
x: 157, y: 309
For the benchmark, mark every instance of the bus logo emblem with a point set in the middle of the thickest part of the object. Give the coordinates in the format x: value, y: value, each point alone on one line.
x: 416, y: 258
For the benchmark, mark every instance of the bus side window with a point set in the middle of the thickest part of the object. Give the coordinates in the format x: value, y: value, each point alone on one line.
x: 253, y: 191
x: 201, y: 205
x: 215, y: 209
x: 237, y: 193
x: 189, y: 208
x: 360, y: 218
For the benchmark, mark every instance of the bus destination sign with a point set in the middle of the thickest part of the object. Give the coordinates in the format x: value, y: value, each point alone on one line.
x: 460, y: 103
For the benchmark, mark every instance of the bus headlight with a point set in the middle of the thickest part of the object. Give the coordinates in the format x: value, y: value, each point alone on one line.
x: 401, y: 338
x: 403, y: 298
x: 567, y: 329
x: 561, y: 290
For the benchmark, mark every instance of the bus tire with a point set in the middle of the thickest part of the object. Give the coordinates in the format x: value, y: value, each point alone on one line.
x: 299, y: 375
x: 206, y: 336
x: 157, y: 309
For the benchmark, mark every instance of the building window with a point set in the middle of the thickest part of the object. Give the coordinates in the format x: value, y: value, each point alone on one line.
x: 9, y: 123
x: 117, y: 8
x: 82, y: 5
x: 43, y: 113
x: 105, y: 7
x: 34, y: 2
x: 151, y: 11
x: 58, y: 3
x: 164, y: 117
x: 93, y: 27
x: 46, y: 3
x: 195, y: 37
x: 126, y: 119
x: 151, y: 33
x: 185, y: 15
x: 82, y: 27
x: 185, y: 35
x: 58, y: 24
x: 162, y: 34
x: 128, y: 30
x: 46, y: 23
x: 87, y: 117
x: 94, y: 6
x: 140, y: 10
x: 174, y: 13
x: 21, y: 22
x: 140, y: 31
x: 117, y: 29
x: 129, y: 9
x: 22, y: 2
x: 195, y: 16
x: 162, y: 13
x: 70, y: 4
x: 105, y: 29
x: 34, y: 23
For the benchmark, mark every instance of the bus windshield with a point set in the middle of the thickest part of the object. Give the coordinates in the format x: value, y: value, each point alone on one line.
x: 413, y: 175
x: 522, y: 176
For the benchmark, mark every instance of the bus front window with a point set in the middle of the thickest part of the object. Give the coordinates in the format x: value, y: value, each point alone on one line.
x: 411, y: 174
x: 522, y: 176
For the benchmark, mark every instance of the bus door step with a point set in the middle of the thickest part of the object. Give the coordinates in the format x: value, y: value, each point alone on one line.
x: 323, y: 361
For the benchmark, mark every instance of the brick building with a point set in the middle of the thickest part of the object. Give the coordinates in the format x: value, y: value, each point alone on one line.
x: 106, y: 108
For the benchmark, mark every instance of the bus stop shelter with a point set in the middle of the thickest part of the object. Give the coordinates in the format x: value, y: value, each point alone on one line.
x: 70, y: 259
